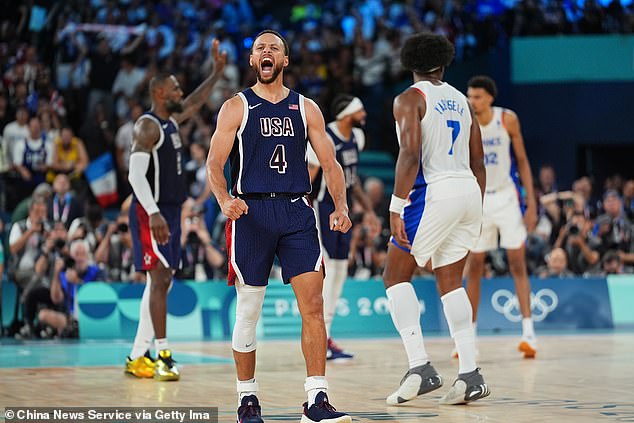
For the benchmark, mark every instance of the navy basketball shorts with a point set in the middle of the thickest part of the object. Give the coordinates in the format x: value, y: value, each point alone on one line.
x: 285, y: 227
x: 147, y: 252
x: 336, y: 244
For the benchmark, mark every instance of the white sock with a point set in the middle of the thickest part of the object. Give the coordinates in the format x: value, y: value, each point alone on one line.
x: 161, y: 344
x: 528, y: 330
x: 405, y: 312
x: 246, y: 388
x: 336, y: 273
x: 313, y: 386
x: 144, y: 329
x: 458, y: 313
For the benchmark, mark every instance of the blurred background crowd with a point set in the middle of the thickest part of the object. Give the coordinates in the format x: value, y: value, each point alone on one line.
x: 75, y: 77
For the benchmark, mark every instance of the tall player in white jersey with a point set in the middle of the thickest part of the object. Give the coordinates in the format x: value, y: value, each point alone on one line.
x: 505, y: 157
x: 435, y: 214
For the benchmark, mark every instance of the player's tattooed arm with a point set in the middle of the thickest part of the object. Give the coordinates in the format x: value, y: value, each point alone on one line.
x: 476, y: 153
x: 200, y: 95
x: 229, y: 120
x: 325, y: 151
x: 145, y: 135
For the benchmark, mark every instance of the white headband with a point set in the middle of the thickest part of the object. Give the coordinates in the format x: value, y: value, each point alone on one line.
x: 353, y: 107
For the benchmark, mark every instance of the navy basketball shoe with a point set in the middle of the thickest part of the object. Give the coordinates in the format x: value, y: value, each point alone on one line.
x: 322, y: 411
x: 249, y: 410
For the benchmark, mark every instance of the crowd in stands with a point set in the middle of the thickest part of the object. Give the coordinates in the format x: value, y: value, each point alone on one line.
x: 75, y: 77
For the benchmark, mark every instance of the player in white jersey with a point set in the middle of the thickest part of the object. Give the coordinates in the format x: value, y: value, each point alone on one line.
x: 435, y: 214
x: 505, y: 157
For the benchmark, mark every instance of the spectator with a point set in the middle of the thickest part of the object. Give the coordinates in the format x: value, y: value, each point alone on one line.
x: 14, y: 133
x: 556, y: 265
x: 547, y: 181
x: 32, y: 157
x: 25, y: 242
x: 63, y: 205
x: 611, y: 263
x: 21, y: 211
x: 69, y: 157
x: 114, y: 253
x: 628, y: 199
x: 580, y: 245
x: 613, y: 227
x: 38, y: 293
x: 69, y: 274
x: 97, y: 133
x: 552, y: 219
x: 583, y: 188
x: 375, y: 189
x: 92, y: 227
x: 127, y: 86
x: 200, y: 259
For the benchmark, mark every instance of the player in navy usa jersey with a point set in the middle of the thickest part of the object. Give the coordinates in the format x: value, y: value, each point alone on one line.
x: 264, y: 132
x: 158, y: 181
x: 348, y: 139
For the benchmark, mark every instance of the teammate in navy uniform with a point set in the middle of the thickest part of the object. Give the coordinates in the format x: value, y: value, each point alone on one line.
x: 264, y: 131
x: 348, y: 139
x: 157, y: 178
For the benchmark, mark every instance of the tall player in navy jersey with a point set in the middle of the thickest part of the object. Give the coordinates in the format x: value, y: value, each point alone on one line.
x: 435, y: 215
x: 348, y: 139
x: 264, y: 131
x: 505, y: 158
x: 158, y: 181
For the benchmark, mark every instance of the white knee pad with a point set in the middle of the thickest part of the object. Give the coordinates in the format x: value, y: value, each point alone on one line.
x: 248, y: 309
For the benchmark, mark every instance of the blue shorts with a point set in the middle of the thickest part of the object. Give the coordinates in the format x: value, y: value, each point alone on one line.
x: 146, y: 251
x: 336, y: 244
x: 285, y: 227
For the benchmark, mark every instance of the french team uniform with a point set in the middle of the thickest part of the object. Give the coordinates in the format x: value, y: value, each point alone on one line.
x: 502, y: 208
x: 270, y: 173
x: 167, y: 181
x: 336, y: 245
x: 444, y: 211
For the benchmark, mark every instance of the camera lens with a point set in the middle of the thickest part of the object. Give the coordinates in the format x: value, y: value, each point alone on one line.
x: 122, y: 227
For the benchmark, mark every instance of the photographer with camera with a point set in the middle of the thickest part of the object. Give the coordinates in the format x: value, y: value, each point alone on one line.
x: 579, y: 244
x: 114, y: 253
x: 615, y: 230
x: 201, y: 260
x: 69, y: 273
x: 25, y: 242
x: 37, y: 294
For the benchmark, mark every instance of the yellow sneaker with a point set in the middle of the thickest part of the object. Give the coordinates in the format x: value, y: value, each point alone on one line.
x: 164, y: 367
x: 140, y: 367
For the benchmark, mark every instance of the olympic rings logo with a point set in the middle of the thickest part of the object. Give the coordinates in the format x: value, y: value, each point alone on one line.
x: 542, y: 303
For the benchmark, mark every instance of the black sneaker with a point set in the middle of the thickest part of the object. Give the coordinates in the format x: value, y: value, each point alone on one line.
x: 321, y: 410
x: 417, y: 381
x: 249, y: 410
x: 468, y: 387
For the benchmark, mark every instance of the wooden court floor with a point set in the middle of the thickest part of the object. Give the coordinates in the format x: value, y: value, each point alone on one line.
x: 575, y: 378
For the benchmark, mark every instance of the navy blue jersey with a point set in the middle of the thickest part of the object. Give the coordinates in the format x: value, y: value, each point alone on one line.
x: 347, y: 154
x: 165, y: 173
x: 269, y: 152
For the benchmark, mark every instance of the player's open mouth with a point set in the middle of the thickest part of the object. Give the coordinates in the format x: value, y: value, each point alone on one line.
x: 266, y: 67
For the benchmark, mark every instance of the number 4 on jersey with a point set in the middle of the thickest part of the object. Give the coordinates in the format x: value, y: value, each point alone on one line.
x: 278, y: 159
x: 455, y: 130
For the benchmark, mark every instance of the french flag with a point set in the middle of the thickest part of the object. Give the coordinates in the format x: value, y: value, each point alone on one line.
x: 102, y: 178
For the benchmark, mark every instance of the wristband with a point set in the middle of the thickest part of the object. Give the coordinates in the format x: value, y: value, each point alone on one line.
x: 397, y: 204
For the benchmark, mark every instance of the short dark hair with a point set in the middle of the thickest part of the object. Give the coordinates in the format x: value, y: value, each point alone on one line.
x: 340, y: 102
x: 277, y: 34
x: 426, y: 52
x: 484, y: 82
x: 158, y: 80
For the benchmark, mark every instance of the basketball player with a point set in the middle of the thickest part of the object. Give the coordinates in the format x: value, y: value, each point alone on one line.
x: 435, y: 214
x: 264, y: 131
x: 504, y: 156
x: 348, y: 139
x: 158, y: 181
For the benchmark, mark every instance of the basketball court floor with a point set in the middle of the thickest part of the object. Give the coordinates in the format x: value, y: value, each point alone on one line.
x: 575, y: 378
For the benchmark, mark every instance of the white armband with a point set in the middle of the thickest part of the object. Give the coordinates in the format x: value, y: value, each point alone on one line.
x: 397, y: 204
x: 139, y: 164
